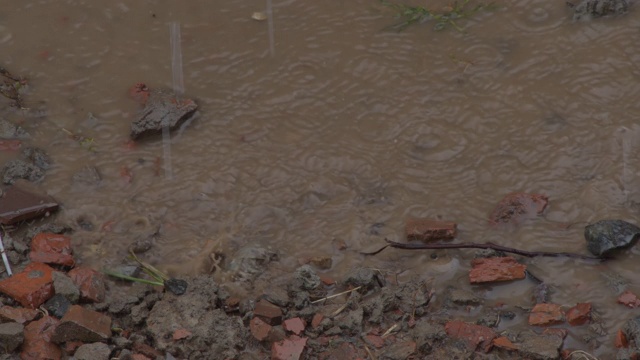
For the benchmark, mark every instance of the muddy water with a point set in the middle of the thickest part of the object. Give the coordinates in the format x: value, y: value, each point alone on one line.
x: 338, y: 130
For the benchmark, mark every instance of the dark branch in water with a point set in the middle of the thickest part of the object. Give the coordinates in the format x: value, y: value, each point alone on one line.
x: 435, y: 246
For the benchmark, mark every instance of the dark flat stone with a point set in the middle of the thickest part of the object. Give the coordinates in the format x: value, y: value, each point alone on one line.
x: 18, y: 204
x: 162, y: 109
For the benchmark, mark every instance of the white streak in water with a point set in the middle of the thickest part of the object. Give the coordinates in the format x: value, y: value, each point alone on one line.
x: 178, y: 89
x: 272, y: 46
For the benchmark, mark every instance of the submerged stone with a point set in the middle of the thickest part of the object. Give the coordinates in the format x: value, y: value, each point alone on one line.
x: 162, y: 108
x: 517, y: 207
x: 19, y: 169
x: 608, y: 235
x: 588, y: 9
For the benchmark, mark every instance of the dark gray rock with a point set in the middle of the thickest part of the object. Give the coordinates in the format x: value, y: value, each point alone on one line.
x: 162, y: 109
x: 37, y: 157
x: 176, y: 286
x: 11, y: 336
x: 94, y: 351
x: 305, y: 278
x: 19, y: 169
x: 608, y: 235
x: 589, y: 9
x: 364, y: 277
x: 63, y: 285
x: 58, y: 305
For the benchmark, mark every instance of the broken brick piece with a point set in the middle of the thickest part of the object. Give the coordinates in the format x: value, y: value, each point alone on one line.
x: 32, y: 287
x: 37, y: 340
x: 181, y: 334
x: 629, y: 299
x: 316, y: 320
x: 259, y: 329
x: 288, y: 349
x: 621, y: 340
x: 504, y: 343
x: 271, y: 314
x: 496, y: 269
x: 475, y: 336
x: 430, y: 230
x: 579, y: 314
x: 545, y: 315
x: 90, y: 283
x: 295, y: 325
x: 83, y: 325
x: 52, y: 249
x: 19, y: 315
x: 559, y: 332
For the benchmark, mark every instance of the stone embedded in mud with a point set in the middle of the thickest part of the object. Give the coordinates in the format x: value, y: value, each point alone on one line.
x: 305, y: 278
x: 631, y: 331
x: 629, y: 299
x: 95, y: 351
x: 31, y: 287
x: 37, y: 157
x: 162, y: 108
x: 607, y: 235
x: 83, y: 325
x: 545, y: 315
x: 271, y: 314
x: 19, y: 169
x: 543, y: 347
x: 517, y: 207
x: 90, y: 283
x: 17, y: 204
x: 52, y: 249
x: 496, y: 269
x: 37, y: 340
x: 579, y: 314
x: 430, y: 230
x: 476, y: 337
x: 176, y: 286
x: 259, y: 329
x: 11, y: 336
x: 288, y: 349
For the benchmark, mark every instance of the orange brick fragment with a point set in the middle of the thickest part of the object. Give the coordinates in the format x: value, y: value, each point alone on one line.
x: 621, y: 340
x: 545, y: 315
x: 504, y: 343
x: 496, y: 269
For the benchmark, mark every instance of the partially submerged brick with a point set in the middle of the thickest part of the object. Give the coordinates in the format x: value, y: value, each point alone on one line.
x: 89, y: 282
x: 545, y: 315
x: 629, y: 299
x: 579, y: 314
x: 430, y: 230
x: 269, y: 313
x: 477, y: 337
x: 84, y: 325
x: 31, y: 287
x: 496, y: 269
x: 52, y: 249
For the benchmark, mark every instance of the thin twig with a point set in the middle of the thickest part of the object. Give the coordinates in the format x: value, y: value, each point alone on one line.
x: 340, y: 309
x: 418, y: 246
x: 4, y: 257
x: 369, y: 352
x: 388, y: 332
x: 335, y: 295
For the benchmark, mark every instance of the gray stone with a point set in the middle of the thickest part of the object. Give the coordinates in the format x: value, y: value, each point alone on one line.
x: 589, y: 9
x: 352, y: 321
x: 63, y: 285
x: 607, y: 235
x: 632, y: 330
x: 539, y: 347
x: 305, y: 278
x: 463, y: 297
x: 121, y: 305
x: 37, y: 157
x: 11, y: 336
x: 162, y: 109
x: 9, y: 130
x: 428, y: 335
x: 94, y: 351
x: 87, y: 176
x: 57, y: 306
x: 19, y: 169
x: 364, y: 277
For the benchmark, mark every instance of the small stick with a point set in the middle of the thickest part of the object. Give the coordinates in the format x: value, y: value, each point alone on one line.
x: 4, y: 257
x: 415, y: 246
x: 369, y: 352
x: 388, y: 332
x: 335, y: 295
x: 340, y: 309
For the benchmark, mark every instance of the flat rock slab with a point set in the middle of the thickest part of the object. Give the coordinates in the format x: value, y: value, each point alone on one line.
x: 517, y: 207
x: 496, y: 269
x: 52, y: 249
x: 589, y: 9
x: 83, y: 325
x: 162, y: 108
x: 430, y: 230
x: 607, y: 235
x: 31, y: 287
x: 17, y: 204
x: 545, y: 315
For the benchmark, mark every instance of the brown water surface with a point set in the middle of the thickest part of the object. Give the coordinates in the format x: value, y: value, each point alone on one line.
x: 341, y: 130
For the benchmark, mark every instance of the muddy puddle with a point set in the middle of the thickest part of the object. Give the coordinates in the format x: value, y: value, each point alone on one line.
x: 319, y: 127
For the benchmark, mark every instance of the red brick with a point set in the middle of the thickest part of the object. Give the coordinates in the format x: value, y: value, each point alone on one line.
x: 621, y: 340
x: 317, y: 319
x: 504, y: 343
x: 516, y: 207
x: 83, y: 325
x: 327, y: 280
x: 430, y: 230
x: 90, y: 283
x: 295, y: 325
x: 288, y: 349
x: 37, y: 340
x: 259, y: 329
x: 52, y: 249
x: 475, y: 336
x: 629, y: 299
x: 271, y: 314
x: 579, y: 314
x: 181, y: 334
x: 146, y: 350
x: 374, y: 340
x: 32, y: 287
x: 545, y: 315
x: 496, y: 269
x: 19, y: 315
